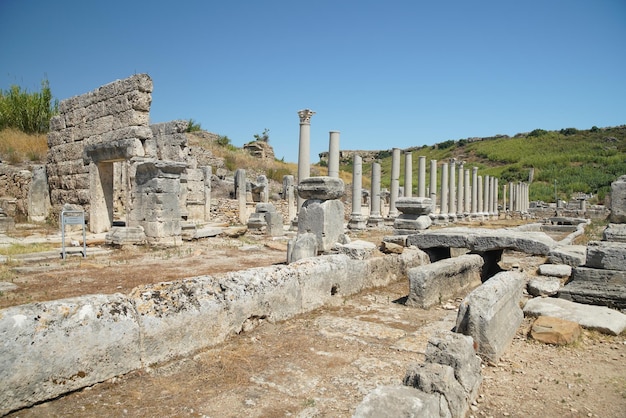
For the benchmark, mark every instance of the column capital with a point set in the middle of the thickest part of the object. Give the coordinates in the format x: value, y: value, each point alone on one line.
x: 305, y: 116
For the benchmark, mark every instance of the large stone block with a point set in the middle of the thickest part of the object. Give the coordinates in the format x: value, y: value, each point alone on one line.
x: 324, y: 218
x: 438, y: 379
x: 398, y: 401
x: 571, y: 255
x: 432, y: 283
x: 52, y: 348
x: 596, y: 287
x: 491, y: 314
x: 606, y: 255
x: 618, y: 201
x: 321, y: 188
x: 615, y: 233
x: 414, y: 205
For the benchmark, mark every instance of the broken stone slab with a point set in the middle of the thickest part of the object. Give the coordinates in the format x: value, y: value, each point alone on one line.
x: 321, y: 188
x: 599, y: 318
x: 303, y: 246
x: 125, y: 235
x: 457, y: 351
x: 398, y: 401
x: 543, y: 286
x: 555, y: 270
x: 618, y: 201
x: 491, y: 314
x: 391, y: 248
x: 571, y: 255
x: 207, y: 232
x: 596, y: 287
x: 438, y: 379
x: 414, y: 205
x: 477, y: 239
x: 555, y: 331
x: 432, y: 283
x: 324, y: 218
x: 50, y: 348
x: 606, y: 255
x: 7, y: 287
x: 356, y: 250
x: 614, y: 233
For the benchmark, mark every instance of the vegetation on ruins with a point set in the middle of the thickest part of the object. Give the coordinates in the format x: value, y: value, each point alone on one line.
x: 193, y: 126
x: 264, y: 137
x: 25, y: 111
x: 579, y: 161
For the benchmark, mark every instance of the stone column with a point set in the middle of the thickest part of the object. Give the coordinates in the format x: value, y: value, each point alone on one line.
x: 480, y: 208
x: 395, y: 182
x: 208, y: 173
x: 460, y: 190
x: 304, y: 152
x: 240, y: 194
x: 474, y: 209
x: 433, y: 184
x: 495, y: 198
x: 492, y: 195
x: 421, y: 177
x: 452, y: 191
x: 333, y: 154
x: 289, y: 195
x: 486, y: 205
x: 504, y: 201
x: 443, y: 211
x: 408, y: 174
x: 357, y: 221
x: 511, y: 196
x: 375, y: 218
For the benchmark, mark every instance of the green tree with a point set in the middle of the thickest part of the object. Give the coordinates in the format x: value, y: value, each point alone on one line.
x: 265, y: 137
x: 28, y: 112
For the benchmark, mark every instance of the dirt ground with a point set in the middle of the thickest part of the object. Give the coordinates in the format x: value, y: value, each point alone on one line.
x: 320, y: 364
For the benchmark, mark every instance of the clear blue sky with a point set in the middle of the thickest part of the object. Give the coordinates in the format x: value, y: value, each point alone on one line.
x: 384, y: 73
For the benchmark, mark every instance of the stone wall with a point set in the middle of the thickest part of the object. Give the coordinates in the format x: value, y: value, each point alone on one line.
x: 111, y: 118
x: 14, y: 187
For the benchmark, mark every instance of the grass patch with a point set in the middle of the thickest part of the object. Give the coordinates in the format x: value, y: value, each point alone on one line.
x: 18, y: 249
x: 17, y: 147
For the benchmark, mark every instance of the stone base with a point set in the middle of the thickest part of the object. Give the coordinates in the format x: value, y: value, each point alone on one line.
x: 413, y: 222
x: 375, y: 222
x: 357, y: 222
x: 119, y: 235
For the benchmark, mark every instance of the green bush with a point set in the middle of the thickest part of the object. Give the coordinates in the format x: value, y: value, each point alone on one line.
x: 28, y: 112
x: 193, y: 126
x: 223, y: 140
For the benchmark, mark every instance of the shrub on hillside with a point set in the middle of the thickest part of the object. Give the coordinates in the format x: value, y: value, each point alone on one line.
x: 28, y: 112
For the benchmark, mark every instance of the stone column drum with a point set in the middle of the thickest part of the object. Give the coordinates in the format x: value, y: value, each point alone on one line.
x: 414, y: 215
x: 395, y: 182
x: 333, y: 154
x: 357, y: 220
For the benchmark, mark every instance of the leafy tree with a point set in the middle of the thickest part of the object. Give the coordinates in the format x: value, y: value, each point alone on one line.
x: 28, y: 112
x: 537, y: 133
x: 265, y: 137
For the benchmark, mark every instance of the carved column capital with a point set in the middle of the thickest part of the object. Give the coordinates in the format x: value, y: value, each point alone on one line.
x: 305, y: 116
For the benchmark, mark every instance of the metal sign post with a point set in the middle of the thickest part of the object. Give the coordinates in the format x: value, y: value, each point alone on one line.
x: 73, y: 217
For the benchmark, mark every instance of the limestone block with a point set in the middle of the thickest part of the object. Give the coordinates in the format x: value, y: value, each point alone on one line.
x: 125, y: 235
x: 274, y: 222
x: 257, y: 221
x: 432, y: 283
x: 571, y: 255
x: 618, y: 201
x: 38, y: 195
x: 457, y: 351
x: 555, y: 331
x: 324, y: 219
x: 596, y: 287
x: 491, y: 314
x: 391, y: 248
x: 321, y: 188
x: 357, y: 250
x: 265, y: 207
x: 57, y: 123
x: 156, y: 229
x: 555, y: 270
x: 51, y: 348
x: 414, y: 205
x: 606, y: 255
x: 599, y: 318
x: 398, y: 401
x: 303, y: 246
x: 448, y: 237
x: 544, y: 286
x: 434, y: 378
x: 614, y: 233
x: 537, y: 243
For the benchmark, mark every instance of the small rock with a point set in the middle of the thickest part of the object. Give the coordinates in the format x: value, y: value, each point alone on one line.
x: 555, y: 331
x: 391, y: 248
x: 544, y: 286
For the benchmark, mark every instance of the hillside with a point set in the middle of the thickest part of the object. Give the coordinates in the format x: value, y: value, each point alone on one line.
x: 585, y: 161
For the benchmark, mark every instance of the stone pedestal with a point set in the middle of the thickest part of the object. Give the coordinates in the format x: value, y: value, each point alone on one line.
x: 414, y: 215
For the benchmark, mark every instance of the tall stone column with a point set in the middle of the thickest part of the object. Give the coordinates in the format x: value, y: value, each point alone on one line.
x: 421, y: 177
x: 480, y: 208
x: 357, y: 220
x: 333, y: 154
x: 452, y: 191
x: 375, y: 218
x: 433, y: 184
x: 443, y: 211
x: 207, y: 173
x: 511, y: 196
x: 474, y: 209
x: 395, y: 182
x: 408, y: 174
x: 486, y: 202
x: 495, y: 198
x: 459, y: 191
x: 504, y: 198
x: 304, y: 151
x: 467, y: 198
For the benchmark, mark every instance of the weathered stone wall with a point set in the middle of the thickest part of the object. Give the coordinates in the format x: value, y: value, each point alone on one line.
x: 114, y: 117
x: 14, y: 187
x: 112, y: 335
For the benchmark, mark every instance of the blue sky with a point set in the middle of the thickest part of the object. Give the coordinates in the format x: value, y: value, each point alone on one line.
x: 385, y: 74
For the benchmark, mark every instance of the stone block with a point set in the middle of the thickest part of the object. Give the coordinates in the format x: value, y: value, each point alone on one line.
x: 614, y: 233
x: 398, y: 401
x: 571, y: 255
x: 357, y: 250
x: 324, y: 218
x: 274, y: 222
x: 555, y: 270
x: 321, y: 188
x: 438, y: 379
x: 555, y: 331
x: 596, y: 287
x: 51, y: 348
x: 125, y: 235
x: 412, y: 222
x: 414, y: 205
x: 599, y: 318
x: 606, y: 255
x: 433, y: 283
x: 544, y: 286
x: 491, y: 314
x: 618, y: 201
x: 303, y: 246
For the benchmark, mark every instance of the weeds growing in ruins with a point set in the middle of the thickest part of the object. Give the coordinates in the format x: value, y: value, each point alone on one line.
x: 17, y: 249
x: 28, y: 112
x: 18, y: 147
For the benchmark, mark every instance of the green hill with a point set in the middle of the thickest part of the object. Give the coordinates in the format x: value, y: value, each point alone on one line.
x: 584, y: 161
